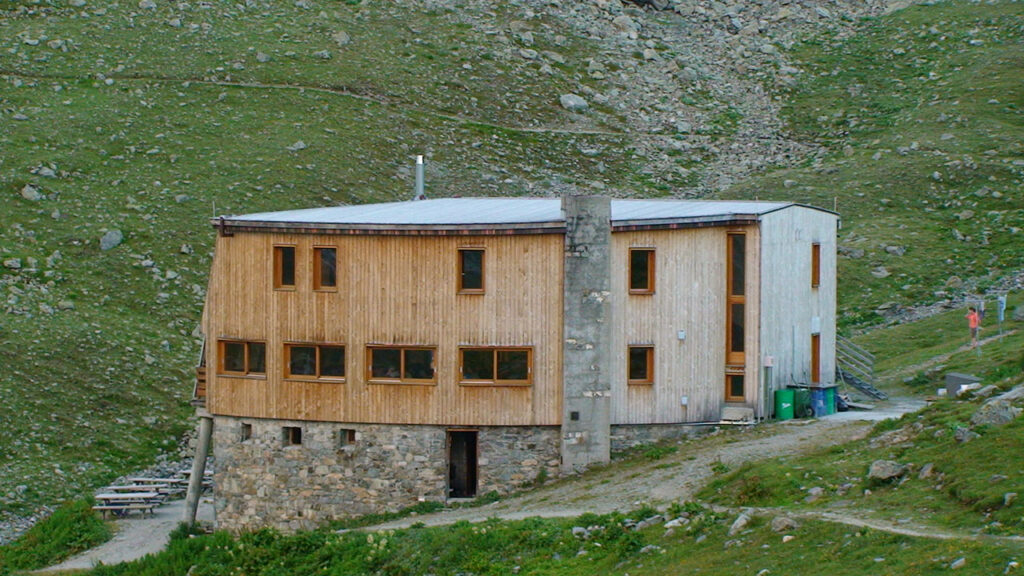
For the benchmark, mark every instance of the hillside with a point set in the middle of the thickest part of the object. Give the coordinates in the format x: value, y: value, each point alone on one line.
x: 137, y: 121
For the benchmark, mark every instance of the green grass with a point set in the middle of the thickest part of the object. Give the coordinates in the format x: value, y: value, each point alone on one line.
x: 72, y: 528
x: 920, y: 113
x: 548, y: 547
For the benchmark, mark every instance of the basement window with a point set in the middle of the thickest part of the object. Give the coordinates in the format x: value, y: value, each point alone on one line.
x: 471, y: 270
x: 325, y: 268
x: 291, y: 436
x: 496, y: 366
x: 242, y: 358
x: 641, y: 365
x: 400, y: 364
x: 346, y: 437
x: 641, y: 271
x: 284, y: 267
x: 246, y: 431
x: 314, y: 361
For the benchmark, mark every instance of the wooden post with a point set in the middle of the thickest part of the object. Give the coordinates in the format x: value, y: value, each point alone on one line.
x: 195, y: 481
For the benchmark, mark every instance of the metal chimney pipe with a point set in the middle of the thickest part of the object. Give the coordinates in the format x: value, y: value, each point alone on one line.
x: 419, y: 195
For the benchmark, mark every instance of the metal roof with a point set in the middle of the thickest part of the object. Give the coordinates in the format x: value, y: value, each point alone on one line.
x: 481, y: 214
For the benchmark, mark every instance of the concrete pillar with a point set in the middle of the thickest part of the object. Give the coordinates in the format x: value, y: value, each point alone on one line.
x: 195, y: 481
x: 586, y: 372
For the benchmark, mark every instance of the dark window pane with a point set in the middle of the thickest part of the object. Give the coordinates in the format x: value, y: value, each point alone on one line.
x: 385, y: 362
x: 257, y: 357
x: 328, y: 270
x: 287, y: 265
x: 739, y: 250
x: 478, y: 364
x: 332, y: 361
x: 736, y: 344
x: 640, y: 269
x: 302, y: 361
x: 513, y: 365
x: 735, y: 386
x: 472, y: 269
x: 419, y: 364
x: 234, y: 357
x: 638, y: 368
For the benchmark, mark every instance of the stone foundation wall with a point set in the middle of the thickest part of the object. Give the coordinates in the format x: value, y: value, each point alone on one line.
x: 262, y: 481
x: 626, y: 436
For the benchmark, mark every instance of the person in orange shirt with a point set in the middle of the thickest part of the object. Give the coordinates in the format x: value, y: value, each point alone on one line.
x: 974, y: 323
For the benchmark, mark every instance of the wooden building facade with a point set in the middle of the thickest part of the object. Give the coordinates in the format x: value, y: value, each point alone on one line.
x: 441, y: 324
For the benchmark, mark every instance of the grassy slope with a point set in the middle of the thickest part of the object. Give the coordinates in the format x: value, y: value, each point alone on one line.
x: 923, y: 113
x: 99, y: 389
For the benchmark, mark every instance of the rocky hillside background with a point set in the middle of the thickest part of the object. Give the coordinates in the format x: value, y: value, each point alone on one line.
x: 125, y: 125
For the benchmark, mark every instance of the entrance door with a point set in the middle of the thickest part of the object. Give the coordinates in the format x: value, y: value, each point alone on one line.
x: 462, y: 463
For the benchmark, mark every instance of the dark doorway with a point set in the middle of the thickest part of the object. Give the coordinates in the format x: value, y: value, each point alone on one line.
x: 462, y: 463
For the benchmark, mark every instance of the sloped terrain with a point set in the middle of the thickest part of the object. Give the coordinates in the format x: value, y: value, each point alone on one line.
x: 126, y: 125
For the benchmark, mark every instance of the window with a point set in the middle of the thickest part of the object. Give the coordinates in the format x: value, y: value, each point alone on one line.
x: 284, y: 267
x: 314, y: 361
x: 641, y: 271
x: 325, y: 268
x: 641, y: 365
x: 815, y: 358
x: 736, y: 283
x: 238, y: 357
x: 497, y: 366
x: 346, y: 437
x: 401, y: 364
x: 471, y: 270
x: 246, y: 431
x: 815, y: 265
x: 734, y: 387
x: 291, y: 436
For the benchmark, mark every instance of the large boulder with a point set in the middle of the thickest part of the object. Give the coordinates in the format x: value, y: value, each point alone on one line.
x: 885, y: 470
x: 995, y: 412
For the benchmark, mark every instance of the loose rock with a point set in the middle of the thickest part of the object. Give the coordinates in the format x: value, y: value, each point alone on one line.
x: 886, y: 470
x: 112, y: 239
x: 574, y: 103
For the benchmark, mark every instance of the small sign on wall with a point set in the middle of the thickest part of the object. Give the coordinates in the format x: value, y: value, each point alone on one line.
x: 815, y: 324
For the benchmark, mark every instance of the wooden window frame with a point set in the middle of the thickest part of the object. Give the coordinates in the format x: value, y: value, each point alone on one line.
x: 246, y: 360
x: 317, y: 269
x: 245, y: 432
x: 815, y: 358
x: 651, y: 259
x: 731, y: 356
x: 495, y: 350
x: 648, y: 379
x: 291, y: 436
x: 730, y: 373
x: 461, y: 289
x: 815, y: 265
x: 317, y: 362
x: 279, y: 267
x: 401, y: 366
x: 346, y: 437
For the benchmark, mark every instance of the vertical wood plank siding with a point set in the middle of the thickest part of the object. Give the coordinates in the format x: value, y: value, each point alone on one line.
x: 397, y: 290
x: 689, y: 295
x: 789, y: 302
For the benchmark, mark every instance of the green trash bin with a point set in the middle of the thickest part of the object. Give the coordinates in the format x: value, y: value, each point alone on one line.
x: 801, y: 402
x: 784, y: 404
x: 830, y: 400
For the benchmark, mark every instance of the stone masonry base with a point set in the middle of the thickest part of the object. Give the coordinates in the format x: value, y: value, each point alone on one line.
x: 269, y: 474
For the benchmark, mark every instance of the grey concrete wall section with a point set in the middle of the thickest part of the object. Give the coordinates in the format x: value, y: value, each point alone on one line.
x: 261, y: 481
x: 586, y: 374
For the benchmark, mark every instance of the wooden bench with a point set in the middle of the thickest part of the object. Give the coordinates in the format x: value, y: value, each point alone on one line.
x: 124, y: 509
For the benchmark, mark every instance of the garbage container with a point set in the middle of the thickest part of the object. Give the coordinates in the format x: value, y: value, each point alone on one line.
x: 801, y: 402
x: 818, y: 406
x: 784, y: 404
x: 830, y: 400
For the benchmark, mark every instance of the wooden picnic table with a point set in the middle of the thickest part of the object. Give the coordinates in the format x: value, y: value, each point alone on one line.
x: 145, y: 481
x: 138, y: 488
x: 121, y: 503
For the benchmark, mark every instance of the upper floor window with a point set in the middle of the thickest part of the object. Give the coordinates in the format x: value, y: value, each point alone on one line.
x: 641, y: 271
x: 401, y: 364
x: 471, y: 270
x: 314, y: 361
x: 243, y: 358
x: 815, y: 265
x: 284, y: 267
x: 641, y: 365
x: 325, y: 268
x: 498, y: 366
